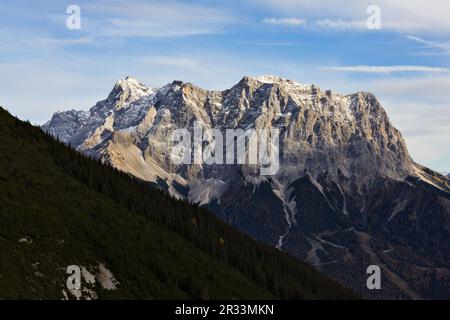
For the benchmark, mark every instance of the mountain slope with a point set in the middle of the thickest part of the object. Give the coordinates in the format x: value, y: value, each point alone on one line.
x: 347, y: 193
x: 60, y: 208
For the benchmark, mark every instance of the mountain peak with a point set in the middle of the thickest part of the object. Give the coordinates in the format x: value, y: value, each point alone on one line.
x: 268, y: 78
x: 130, y: 89
x: 271, y: 79
x: 128, y: 82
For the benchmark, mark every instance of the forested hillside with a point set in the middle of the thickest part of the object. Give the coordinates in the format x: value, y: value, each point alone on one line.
x: 60, y: 208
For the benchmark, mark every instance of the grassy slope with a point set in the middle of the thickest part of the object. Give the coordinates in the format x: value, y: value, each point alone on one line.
x: 156, y: 247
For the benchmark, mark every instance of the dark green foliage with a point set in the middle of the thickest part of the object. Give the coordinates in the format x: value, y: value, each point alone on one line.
x: 74, y: 210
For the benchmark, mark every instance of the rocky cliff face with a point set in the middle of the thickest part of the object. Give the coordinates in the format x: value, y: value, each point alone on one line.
x: 346, y: 195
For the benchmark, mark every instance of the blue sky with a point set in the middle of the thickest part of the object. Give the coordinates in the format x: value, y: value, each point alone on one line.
x: 46, y: 67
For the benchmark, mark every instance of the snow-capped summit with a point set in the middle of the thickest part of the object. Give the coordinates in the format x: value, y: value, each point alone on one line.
x: 131, y: 83
x: 129, y: 89
x: 267, y: 78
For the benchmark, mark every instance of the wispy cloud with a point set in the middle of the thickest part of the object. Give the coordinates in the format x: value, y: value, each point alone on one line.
x: 443, y: 47
x: 429, y: 16
x: 342, y: 24
x: 273, y: 43
x: 386, y: 69
x: 286, y: 22
x: 64, y: 41
x: 154, y: 19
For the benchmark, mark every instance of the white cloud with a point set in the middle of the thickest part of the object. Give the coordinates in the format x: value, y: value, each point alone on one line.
x: 386, y: 69
x: 342, y: 25
x: 273, y: 43
x: 432, y: 88
x: 443, y: 47
x: 286, y: 22
x: 62, y: 41
x: 422, y: 16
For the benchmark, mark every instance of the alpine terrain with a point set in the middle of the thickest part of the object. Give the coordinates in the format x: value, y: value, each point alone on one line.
x: 347, y: 194
x: 61, y: 211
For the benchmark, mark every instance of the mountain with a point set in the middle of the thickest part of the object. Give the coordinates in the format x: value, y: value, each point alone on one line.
x: 346, y: 194
x: 60, y: 209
